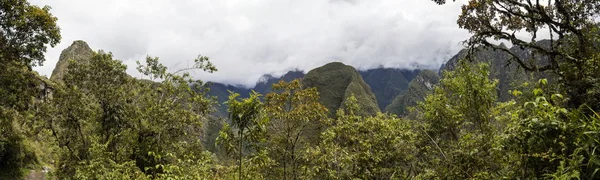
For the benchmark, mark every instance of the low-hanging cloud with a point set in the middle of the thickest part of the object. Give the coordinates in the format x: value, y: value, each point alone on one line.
x: 248, y: 38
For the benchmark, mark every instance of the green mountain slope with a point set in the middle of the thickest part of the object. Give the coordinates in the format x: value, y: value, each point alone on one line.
x: 387, y: 83
x: 336, y: 82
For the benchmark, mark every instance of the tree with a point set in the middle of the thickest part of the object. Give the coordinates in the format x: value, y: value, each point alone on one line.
x: 456, y: 126
x: 25, y: 32
x: 571, y: 25
x: 247, y: 117
x: 296, y: 117
x: 542, y: 139
x: 357, y: 147
x: 107, y: 121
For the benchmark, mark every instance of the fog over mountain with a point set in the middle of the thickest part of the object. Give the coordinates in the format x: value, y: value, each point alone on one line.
x: 248, y: 38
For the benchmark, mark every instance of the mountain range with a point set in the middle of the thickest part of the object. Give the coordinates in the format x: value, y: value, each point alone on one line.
x: 384, y: 84
x: 378, y: 90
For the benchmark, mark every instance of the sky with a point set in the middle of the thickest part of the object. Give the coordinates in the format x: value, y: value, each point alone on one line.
x: 246, y: 39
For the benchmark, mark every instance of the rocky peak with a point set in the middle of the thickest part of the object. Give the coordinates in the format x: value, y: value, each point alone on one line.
x: 78, y: 51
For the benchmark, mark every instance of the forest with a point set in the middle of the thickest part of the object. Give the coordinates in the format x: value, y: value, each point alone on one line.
x: 528, y: 111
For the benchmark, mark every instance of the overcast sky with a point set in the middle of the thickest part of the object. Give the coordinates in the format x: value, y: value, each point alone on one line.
x: 248, y: 38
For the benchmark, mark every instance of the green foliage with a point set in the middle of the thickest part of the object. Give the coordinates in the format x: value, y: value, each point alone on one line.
x: 106, y: 122
x: 456, y: 126
x: 570, y: 53
x: 296, y: 119
x: 544, y: 139
x: 246, y: 115
x: 25, y: 31
x: 100, y: 123
x: 356, y: 147
x: 465, y: 134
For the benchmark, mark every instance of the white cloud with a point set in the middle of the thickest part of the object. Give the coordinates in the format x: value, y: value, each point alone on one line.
x: 248, y: 38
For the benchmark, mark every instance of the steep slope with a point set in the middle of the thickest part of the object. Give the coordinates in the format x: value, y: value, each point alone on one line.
x: 336, y: 82
x: 509, y: 75
x: 418, y: 88
x: 387, y: 83
x: 78, y: 51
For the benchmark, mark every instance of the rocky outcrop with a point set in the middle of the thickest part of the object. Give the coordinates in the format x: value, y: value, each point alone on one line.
x: 78, y: 51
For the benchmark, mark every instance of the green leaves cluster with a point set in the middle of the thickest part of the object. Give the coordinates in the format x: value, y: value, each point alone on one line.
x: 378, y: 147
x: 466, y: 134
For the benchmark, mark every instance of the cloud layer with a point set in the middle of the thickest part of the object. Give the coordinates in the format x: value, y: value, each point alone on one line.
x: 248, y: 38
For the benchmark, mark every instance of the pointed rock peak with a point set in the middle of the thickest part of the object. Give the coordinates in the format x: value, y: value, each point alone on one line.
x: 79, y: 43
x: 78, y: 51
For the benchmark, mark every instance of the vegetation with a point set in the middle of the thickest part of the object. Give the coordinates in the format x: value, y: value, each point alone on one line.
x: 97, y: 122
x: 25, y: 32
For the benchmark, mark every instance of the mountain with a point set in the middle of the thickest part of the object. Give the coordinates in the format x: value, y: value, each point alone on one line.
x: 509, y: 75
x: 336, y: 82
x: 266, y: 81
x: 417, y: 90
x: 78, y: 51
x: 387, y: 83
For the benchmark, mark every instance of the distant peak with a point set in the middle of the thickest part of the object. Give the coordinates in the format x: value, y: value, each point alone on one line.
x: 265, y: 78
x: 78, y: 51
x: 79, y: 43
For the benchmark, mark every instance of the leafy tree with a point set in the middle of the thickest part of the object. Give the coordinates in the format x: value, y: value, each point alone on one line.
x: 571, y: 25
x: 357, y: 147
x: 107, y: 122
x: 457, y: 125
x: 543, y: 139
x: 246, y: 116
x: 296, y: 118
x: 25, y: 32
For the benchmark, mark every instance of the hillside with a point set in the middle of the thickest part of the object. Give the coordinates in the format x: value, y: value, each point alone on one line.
x: 336, y: 82
x: 417, y: 90
x: 387, y: 83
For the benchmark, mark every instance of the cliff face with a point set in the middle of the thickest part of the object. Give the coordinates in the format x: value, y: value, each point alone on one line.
x: 336, y: 82
x: 78, y: 51
x: 387, y: 83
